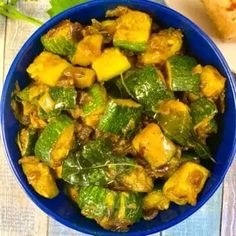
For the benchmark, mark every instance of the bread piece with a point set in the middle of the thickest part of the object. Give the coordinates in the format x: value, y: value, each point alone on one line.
x: 223, y: 15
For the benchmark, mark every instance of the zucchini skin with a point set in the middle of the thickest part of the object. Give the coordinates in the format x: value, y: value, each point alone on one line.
x: 62, y: 39
x: 202, y: 109
x: 120, y: 119
x: 176, y: 122
x: 64, y: 98
x: 49, y: 136
x: 26, y: 139
x: 180, y: 75
x: 132, y: 46
x: 97, y: 102
x: 146, y: 85
x: 112, y: 210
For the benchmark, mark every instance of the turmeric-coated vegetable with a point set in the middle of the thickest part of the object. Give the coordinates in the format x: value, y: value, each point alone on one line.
x: 186, y: 183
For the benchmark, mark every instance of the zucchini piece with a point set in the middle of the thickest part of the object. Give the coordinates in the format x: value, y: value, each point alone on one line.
x: 82, y: 77
x: 161, y: 46
x: 153, y: 146
x: 39, y: 176
x: 48, y: 115
x: 31, y: 92
x: 47, y: 68
x: 62, y: 39
x: 147, y: 86
x: 174, y: 118
x: 112, y: 210
x: 55, y: 100
x: 212, y: 82
x: 122, y: 117
x: 55, y: 141
x: 46, y: 103
x: 203, y: 111
x: 180, y: 74
x: 26, y: 139
x: 186, y: 183
x: 114, y: 61
x: 94, y: 105
x: 64, y: 98
x: 133, y: 31
x: 88, y: 49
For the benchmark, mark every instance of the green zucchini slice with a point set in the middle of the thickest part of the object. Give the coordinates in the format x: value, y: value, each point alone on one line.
x: 174, y: 118
x: 180, y: 74
x: 62, y: 39
x: 112, y: 210
x: 26, y: 139
x: 202, y: 111
x: 55, y: 141
x: 133, y: 31
x: 122, y: 117
x: 94, y: 105
x: 64, y: 98
x: 147, y: 86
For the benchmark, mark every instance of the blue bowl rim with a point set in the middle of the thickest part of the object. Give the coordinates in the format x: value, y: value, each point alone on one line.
x: 25, y: 186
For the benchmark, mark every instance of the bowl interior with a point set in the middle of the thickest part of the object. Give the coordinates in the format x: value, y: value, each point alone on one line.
x: 198, y: 45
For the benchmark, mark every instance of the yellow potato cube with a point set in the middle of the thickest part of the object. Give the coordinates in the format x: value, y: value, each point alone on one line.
x: 186, y: 183
x: 212, y: 82
x: 153, y: 146
x: 110, y: 64
x: 88, y: 49
x: 47, y: 68
x: 161, y: 46
x: 156, y: 200
x: 39, y: 176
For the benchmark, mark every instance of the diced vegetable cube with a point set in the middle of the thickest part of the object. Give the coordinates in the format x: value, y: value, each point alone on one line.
x: 110, y: 64
x: 212, y: 82
x: 153, y: 146
x: 55, y: 141
x: 181, y: 76
x: 47, y: 68
x: 39, y: 176
x: 156, y: 200
x: 62, y: 39
x: 82, y: 77
x: 161, y: 46
x: 133, y: 31
x: 88, y: 49
x: 94, y: 105
x: 186, y: 183
x: 122, y: 117
x: 147, y: 86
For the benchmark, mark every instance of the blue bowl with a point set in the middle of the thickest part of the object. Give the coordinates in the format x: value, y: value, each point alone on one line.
x: 198, y: 44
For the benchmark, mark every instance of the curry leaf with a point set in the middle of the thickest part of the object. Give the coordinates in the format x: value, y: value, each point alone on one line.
x: 95, y: 165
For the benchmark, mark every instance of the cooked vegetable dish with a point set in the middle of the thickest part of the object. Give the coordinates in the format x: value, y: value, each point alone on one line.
x: 118, y: 112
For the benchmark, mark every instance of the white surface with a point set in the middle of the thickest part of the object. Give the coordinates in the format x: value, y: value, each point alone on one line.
x: 194, y: 10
